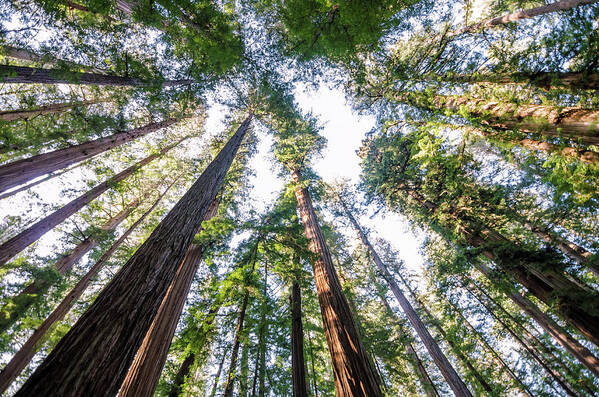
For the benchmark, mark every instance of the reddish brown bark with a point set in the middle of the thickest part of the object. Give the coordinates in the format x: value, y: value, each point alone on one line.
x: 298, y: 366
x: 354, y: 375
x: 11, y: 115
x: 21, y: 241
x: 22, y: 171
x: 42, y: 180
x: 449, y: 373
x: 26, y: 75
x: 94, y: 356
x: 20, y: 360
x: 144, y: 374
x: 523, y: 14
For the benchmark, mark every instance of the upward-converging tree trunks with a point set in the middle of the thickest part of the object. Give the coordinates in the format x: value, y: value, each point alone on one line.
x: 22, y: 171
x: 354, y: 375
x: 451, y: 376
x: 144, y: 374
x: 21, y: 241
x: 94, y: 356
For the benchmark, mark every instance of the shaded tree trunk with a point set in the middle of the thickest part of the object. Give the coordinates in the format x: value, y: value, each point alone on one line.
x: 298, y: 366
x: 523, y: 14
x: 21, y: 241
x: 546, y: 80
x: 262, y: 337
x: 427, y: 384
x: 26, y: 75
x: 144, y: 374
x: 94, y: 356
x: 24, y: 299
x: 22, y: 171
x: 574, y: 123
x: 451, y: 376
x: 42, y: 180
x: 11, y: 115
x: 244, y: 369
x: 353, y: 372
x: 218, y: 372
x: 22, y: 358
x: 236, y: 342
x: 315, y: 385
x: 30, y: 56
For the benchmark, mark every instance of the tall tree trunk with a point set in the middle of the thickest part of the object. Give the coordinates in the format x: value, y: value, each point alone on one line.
x: 42, y: 180
x: 218, y: 372
x: 24, y: 299
x: 22, y: 171
x: 94, y: 356
x: 236, y: 342
x: 244, y: 369
x: 521, y: 386
x: 30, y: 56
x: 585, y: 156
x: 427, y: 384
x: 535, y: 341
x: 144, y: 374
x: 26, y: 75
x: 547, y: 80
x: 21, y: 241
x: 531, y: 350
x: 354, y: 375
x: 451, y: 376
x: 11, y: 115
x: 575, y: 123
x: 20, y: 360
x: 561, y: 336
x: 262, y: 337
x: 524, y: 14
x: 315, y: 385
x: 298, y: 366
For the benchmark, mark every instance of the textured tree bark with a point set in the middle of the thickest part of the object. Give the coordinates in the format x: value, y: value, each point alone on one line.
x: 532, y: 351
x: 42, y: 180
x: 352, y: 369
x: 547, y: 80
x: 575, y: 123
x: 20, y: 360
x: 24, y: 299
x: 449, y: 373
x: 22, y: 171
x: 235, y: 352
x: 26, y: 75
x: 144, y: 374
x: 21, y: 241
x: 298, y: 366
x: 561, y: 336
x: 11, y: 115
x: 585, y: 156
x: 94, y: 356
x: 479, y: 378
x: 524, y: 14
x: 427, y: 384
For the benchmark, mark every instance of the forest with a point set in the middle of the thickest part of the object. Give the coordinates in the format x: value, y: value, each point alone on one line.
x: 251, y: 198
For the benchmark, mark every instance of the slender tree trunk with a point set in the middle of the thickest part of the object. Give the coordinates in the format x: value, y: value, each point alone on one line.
x: 262, y: 336
x: 561, y: 336
x: 244, y: 369
x: 218, y: 372
x: 585, y: 156
x: 42, y: 180
x: 93, y: 357
x: 298, y: 367
x: 144, y: 374
x: 11, y: 115
x: 26, y: 75
x: 315, y: 385
x: 524, y: 14
x: 30, y: 56
x: 535, y: 340
x: 521, y: 386
x: 531, y: 350
x: 22, y: 171
x: 21, y: 241
x: 24, y: 299
x: 236, y: 342
x: 427, y: 384
x: 451, y: 376
x: 20, y: 360
x: 546, y: 80
x: 574, y: 123
x: 354, y: 375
